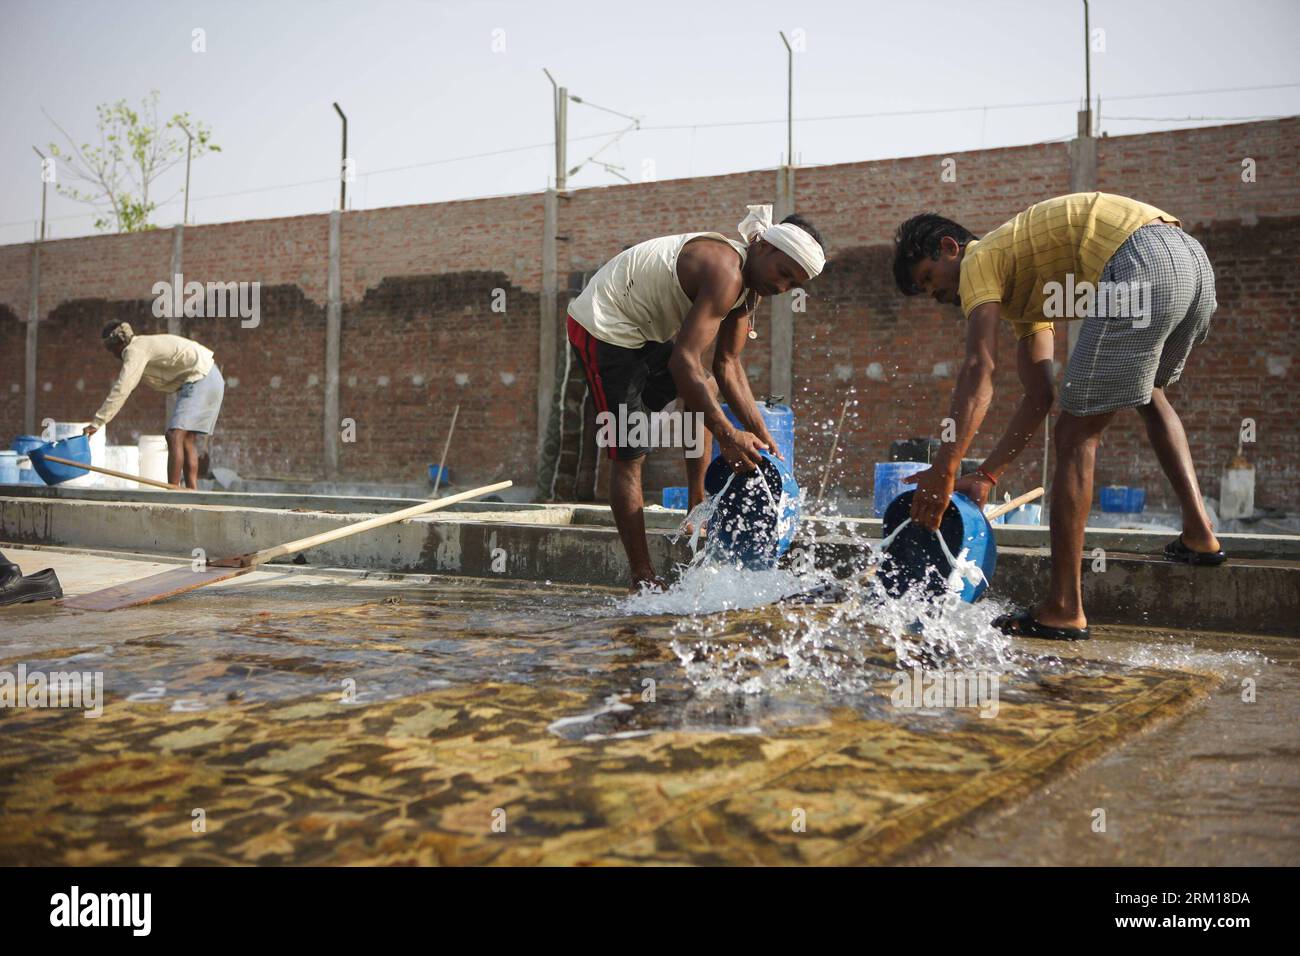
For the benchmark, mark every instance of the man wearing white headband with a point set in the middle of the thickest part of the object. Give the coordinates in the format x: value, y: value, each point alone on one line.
x: 641, y: 329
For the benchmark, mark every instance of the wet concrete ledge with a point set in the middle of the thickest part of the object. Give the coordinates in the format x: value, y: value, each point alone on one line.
x: 1239, y: 545
x: 543, y: 544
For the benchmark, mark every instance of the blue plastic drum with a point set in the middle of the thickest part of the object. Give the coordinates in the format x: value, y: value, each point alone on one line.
x: 76, y: 448
x: 889, y: 482
x: 916, y: 557
x: 677, y: 498
x: 755, y: 519
x: 780, y: 422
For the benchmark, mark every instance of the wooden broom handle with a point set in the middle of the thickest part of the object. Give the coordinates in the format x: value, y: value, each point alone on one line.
x: 1015, y: 503
x: 302, y: 544
x: 115, y: 474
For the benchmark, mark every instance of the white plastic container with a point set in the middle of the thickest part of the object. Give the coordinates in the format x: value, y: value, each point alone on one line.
x: 125, y: 458
x: 1237, y: 489
x: 56, y: 431
x: 153, y: 457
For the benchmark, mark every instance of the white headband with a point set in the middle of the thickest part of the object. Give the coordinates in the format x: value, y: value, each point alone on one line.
x: 786, y: 236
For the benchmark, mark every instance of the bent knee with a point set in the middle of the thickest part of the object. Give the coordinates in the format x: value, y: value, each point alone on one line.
x: 1075, y: 432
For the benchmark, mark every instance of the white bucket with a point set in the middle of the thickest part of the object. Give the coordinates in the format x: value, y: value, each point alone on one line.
x: 57, y: 431
x: 125, y: 458
x: 153, y: 457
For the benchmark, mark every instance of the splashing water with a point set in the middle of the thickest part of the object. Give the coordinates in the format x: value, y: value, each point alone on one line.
x: 849, y: 646
x: 708, y: 586
x: 845, y: 646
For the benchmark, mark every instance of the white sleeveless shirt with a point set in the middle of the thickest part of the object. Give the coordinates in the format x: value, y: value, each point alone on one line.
x: 636, y: 296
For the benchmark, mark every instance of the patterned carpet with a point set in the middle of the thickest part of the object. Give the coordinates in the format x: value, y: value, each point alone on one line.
x: 486, y: 727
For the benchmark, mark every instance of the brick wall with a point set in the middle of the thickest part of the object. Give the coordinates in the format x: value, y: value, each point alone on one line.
x: 420, y: 334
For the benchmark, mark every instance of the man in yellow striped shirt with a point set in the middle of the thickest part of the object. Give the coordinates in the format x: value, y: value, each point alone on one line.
x: 1144, y: 290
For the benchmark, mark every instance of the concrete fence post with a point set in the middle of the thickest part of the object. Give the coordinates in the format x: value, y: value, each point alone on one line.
x: 781, y: 379
x: 1083, y: 179
x: 548, y: 329
x: 175, y: 322
x: 333, y: 334
x: 33, y: 320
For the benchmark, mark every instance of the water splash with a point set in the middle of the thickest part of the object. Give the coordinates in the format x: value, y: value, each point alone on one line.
x: 848, y: 646
x: 708, y: 586
x: 845, y: 644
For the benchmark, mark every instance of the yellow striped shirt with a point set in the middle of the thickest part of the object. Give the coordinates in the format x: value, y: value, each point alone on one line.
x: 1075, y: 234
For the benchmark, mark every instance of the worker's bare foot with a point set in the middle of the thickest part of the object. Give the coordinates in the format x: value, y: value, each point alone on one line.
x: 1202, y: 541
x: 1050, y: 615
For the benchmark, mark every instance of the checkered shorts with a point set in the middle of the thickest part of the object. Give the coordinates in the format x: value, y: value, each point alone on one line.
x: 1153, y: 303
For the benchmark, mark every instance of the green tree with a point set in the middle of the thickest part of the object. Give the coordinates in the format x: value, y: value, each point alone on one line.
x: 135, y: 148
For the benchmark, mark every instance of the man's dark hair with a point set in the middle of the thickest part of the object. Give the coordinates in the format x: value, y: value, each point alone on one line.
x: 116, y: 333
x: 918, y: 239
x: 806, y: 226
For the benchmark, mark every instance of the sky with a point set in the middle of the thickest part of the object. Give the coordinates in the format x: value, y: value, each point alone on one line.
x: 448, y: 100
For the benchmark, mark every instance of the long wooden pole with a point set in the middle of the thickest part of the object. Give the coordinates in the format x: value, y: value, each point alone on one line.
x: 835, y: 445
x: 158, y: 587
x: 302, y: 544
x: 1015, y: 503
x: 445, y: 445
x: 116, y: 474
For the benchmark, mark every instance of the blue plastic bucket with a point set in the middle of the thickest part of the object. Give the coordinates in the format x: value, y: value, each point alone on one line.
x: 76, y: 448
x: 756, y: 518
x: 433, y: 474
x: 915, y: 555
x: 889, y: 481
x: 677, y: 498
x: 1120, y: 499
x: 8, y: 467
x: 23, y: 444
x: 780, y: 422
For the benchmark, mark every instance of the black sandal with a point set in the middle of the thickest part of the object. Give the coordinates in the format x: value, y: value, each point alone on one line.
x: 1022, y: 624
x: 1177, y: 551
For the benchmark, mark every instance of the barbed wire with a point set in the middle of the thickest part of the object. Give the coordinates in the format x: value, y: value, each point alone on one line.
x: 880, y: 114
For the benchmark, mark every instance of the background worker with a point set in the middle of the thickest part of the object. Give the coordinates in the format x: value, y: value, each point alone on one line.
x: 172, y: 364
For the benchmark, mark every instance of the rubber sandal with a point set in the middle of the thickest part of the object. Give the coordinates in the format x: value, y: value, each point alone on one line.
x: 1177, y: 551
x: 1022, y: 624
x: 41, y: 586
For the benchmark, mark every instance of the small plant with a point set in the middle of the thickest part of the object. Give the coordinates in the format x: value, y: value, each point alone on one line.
x: 135, y: 148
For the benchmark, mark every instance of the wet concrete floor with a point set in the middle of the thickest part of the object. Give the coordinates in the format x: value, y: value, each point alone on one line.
x: 314, y: 718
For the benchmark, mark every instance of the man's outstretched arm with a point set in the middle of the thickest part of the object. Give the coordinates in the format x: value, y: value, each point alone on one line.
x: 1034, y: 368
x: 718, y: 289
x: 729, y: 370
x: 970, y: 403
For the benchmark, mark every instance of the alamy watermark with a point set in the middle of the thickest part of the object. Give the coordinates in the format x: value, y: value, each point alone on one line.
x: 1113, y: 300
x: 920, y: 689
x: 130, y: 910
x: 215, y: 300
x: 664, y: 429
x: 83, y: 690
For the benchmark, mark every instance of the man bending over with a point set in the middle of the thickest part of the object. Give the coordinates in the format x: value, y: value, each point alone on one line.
x: 1152, y: 294
x: 641, y: 329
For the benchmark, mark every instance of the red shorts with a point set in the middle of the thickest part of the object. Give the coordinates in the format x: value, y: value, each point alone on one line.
x: 624, y: 380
